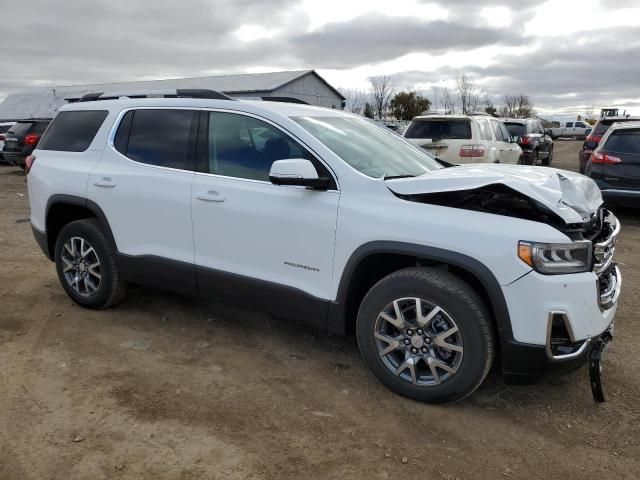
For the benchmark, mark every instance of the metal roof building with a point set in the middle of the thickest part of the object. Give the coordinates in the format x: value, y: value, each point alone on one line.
x: 305, y: 85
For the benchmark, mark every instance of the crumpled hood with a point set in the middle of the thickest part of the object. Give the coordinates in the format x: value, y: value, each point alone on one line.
x: 572, y: 196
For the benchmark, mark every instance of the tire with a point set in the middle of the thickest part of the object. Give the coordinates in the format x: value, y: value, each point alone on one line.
x: 80, y: 244
x: 459, y: 308
x: 521, y: 160
x: 547, y: 161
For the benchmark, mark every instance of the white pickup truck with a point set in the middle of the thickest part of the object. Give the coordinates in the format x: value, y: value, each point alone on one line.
x: 569, y: 129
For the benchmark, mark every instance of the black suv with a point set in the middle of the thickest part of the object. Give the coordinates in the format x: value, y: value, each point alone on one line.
x: 529, y: 133
x: 615, y: 164
x: 22, y: 139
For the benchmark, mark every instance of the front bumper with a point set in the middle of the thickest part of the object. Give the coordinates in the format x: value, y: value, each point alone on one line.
x: 556, y: 319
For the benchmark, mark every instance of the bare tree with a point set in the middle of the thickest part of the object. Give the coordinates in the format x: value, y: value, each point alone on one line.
x: 355, y: 99
x: 448, y: 100
x: 517, y: 106
x: 381, y: 92
x: 470, y: 99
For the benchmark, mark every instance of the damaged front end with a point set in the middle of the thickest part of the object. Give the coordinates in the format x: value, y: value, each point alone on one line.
x: 498, y: 199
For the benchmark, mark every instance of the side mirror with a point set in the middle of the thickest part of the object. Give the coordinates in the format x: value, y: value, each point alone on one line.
x: 515, y: 139
x: 297, y: 171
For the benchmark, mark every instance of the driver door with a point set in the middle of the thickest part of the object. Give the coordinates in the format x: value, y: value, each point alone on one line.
x: 256, y: 243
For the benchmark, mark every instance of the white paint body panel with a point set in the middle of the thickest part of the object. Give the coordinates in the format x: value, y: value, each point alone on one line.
x: 252, y: 228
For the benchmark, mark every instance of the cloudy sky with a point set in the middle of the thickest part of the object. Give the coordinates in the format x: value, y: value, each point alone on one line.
x: 566, y: 55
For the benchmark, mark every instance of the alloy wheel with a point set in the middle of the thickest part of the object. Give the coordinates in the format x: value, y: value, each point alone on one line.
x: 418, y: 341
x: 81, y: 266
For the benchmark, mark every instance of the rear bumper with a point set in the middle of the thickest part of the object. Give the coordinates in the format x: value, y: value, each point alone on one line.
x: 625, y: 198
x: 14, y: 158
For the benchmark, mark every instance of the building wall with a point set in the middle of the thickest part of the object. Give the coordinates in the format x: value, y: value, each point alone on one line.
x: 312, y: 90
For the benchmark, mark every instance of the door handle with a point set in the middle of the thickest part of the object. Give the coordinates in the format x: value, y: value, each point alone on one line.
x: 105, y: 182
x: 211, y: 196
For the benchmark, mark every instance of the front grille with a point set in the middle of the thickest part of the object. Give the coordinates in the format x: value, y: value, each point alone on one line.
x: 604, y: 247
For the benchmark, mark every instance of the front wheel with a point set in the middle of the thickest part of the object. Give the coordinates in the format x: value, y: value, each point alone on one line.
x: 86, y: 266
x: 426, y: 335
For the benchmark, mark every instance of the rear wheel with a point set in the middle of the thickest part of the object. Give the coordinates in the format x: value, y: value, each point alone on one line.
x: 426, y: 335
x: 86, y: 266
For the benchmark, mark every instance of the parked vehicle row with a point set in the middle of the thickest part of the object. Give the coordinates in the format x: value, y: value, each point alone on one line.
x: 615, y: 164
x: 4, y: 127
x: 596, y: 134
x: 570, y: 129
x: 328, y: 218
x: 21, y: 139
x: 536, y: 145
x: 459, y: 139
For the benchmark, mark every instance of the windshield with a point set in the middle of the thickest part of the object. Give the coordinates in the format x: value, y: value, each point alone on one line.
x: 440, y: 128
x: 369, y: 148
x: 516, y: 129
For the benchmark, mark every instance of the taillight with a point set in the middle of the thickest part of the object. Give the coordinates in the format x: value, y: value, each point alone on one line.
x: 28, y: 163
x: 468, y: 151
x: 2, y: 137
x: 525, y: 140
x: 600, y: 158
x: 593, y: 138
x: 31, y: 139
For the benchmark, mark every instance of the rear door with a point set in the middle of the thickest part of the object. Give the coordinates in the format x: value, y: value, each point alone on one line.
x: 568, y: 129
x: 502, y: 142
x: 143, y: 185
x: 623, y: 147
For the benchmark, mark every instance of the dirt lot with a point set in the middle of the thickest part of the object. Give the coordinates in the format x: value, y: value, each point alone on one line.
x: 171, y: 387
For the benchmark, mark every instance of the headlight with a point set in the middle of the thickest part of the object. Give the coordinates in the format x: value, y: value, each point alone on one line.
x: 556, y: 258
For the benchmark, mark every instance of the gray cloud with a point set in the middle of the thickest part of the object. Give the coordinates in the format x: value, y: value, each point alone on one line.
x: 75, y: 41
x: 376, y: 38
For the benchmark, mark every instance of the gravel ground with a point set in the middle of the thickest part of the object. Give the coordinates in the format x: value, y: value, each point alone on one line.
x: 171, y: 387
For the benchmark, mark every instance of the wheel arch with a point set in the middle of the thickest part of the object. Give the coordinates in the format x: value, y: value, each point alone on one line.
x: 372, y: 261
x: 62, y: 209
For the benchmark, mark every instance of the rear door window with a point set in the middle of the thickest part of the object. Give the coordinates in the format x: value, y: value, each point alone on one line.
x: 485, y: 129
x: 569, y: 125
x: 164, y: 138
x: 505, y: 133
x: 624, y: 141
x: 497, y: 131
x: 440, y: 128
x: 73, y: 131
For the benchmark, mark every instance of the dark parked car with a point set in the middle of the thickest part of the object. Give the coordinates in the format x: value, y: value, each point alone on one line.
x: 615, y: 164
x: 536, y: 145
x: 22, y: 139
x: 599, y: 129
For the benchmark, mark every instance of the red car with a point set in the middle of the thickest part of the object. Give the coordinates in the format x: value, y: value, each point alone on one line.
x: 600, y: 128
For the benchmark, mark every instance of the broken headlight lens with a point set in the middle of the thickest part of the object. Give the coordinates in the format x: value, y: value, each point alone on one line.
x: 556, y: 258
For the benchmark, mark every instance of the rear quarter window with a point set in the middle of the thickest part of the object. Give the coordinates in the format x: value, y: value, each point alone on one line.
x: 438, y: 129
x: 624, y: 141
x: 73, y: 131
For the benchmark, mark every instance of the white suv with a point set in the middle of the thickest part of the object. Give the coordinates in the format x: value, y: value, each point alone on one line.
x: 459, y: 139
x: 332, y: 220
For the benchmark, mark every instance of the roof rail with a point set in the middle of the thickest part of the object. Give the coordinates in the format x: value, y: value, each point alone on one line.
x: 175, y: 93
x: 284, y: 100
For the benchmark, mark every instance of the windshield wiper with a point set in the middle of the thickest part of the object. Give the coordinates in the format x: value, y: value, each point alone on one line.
x: 393, y: 177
